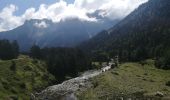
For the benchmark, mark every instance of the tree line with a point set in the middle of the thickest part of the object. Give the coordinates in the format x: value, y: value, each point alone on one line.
x: 143, y: 34
x: 62, y: 62
x: 8, y: 50
x: 137, y: 46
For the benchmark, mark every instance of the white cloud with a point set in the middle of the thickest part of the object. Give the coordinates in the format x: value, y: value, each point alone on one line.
x: 112, y: 9
x: 7, y: 19
x: 29, y: 13
x: 41, y: 24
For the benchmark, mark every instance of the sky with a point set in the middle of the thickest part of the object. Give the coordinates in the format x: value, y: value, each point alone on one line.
x: 25, y: 4
x: 14, y: 13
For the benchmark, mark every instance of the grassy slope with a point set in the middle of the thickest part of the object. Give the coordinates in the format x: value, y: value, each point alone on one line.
x: 128, y: 79
x: 29, y: 75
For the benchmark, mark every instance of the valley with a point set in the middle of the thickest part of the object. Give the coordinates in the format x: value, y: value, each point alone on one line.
x: 127, y: 81
x: 85, y: 50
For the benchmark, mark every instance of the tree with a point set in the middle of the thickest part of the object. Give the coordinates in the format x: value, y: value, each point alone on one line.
x: 8, y: 50
x: 63, y: 62
x: 13, y: 66
x: 15, y: 48
x: 35, y: 52
x: 163, y: 61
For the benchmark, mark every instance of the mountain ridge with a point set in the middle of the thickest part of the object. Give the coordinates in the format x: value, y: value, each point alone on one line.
x: 143, y: 32
x: 45, y: 33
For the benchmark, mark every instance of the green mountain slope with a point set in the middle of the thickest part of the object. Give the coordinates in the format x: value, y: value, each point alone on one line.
x: 143, y: 34
x: 21, y: 77
x: 130, y: 80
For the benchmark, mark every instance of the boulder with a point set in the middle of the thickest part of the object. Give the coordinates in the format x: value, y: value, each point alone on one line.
x: 159, y: 94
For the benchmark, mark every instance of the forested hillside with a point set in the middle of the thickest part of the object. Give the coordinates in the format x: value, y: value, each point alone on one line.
x: 62, y: 62
x: 8, y: 50
x: 21, y: 75
x: 145, y: 33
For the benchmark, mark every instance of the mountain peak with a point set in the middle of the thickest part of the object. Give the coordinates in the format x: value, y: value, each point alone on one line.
x: 33, y: 21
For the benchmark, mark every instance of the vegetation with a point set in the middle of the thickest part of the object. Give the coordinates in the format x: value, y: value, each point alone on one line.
x: 35, y: 52
x: 129, y: 80
x: 62, y: 62
x: 163, y: 61
x: 143, y: 34
x: 22, y: 76
x: 8, y: 50
x: 168, y: 83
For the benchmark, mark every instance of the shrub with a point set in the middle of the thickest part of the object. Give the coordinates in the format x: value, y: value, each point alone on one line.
x: 13, y: 66
x: 13, y: 97
x: 23, y: 86
x: 143, y: 63
x: 168, y: 83
x: 35, y: 61
x: 115, y: 73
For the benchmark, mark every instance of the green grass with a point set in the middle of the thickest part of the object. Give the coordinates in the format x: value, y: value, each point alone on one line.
x: 128, y: 79
x: 28, y: 76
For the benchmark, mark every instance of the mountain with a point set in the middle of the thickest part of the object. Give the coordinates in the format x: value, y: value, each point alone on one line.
x: 145, y: 33
x: 45, y: 33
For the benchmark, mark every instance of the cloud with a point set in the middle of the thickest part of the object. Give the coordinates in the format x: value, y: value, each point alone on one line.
x: 112, y: 9
x: 29, y: 13
x: 57, y: 11
x: 7, y: 18
x: 41, y: 24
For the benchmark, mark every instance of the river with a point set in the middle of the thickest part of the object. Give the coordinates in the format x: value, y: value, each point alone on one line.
x: 66, y: 90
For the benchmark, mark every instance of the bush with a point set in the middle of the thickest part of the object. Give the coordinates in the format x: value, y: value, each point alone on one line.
x: 35, y: 61
x: 23, y: 85
x: 13, y: 97
x: 143, y: 63
x: 13, y: 66
x: 168, y: 83
x: 115, y: 73
x: 159, y: 62
x: 27, y: 68
x: 162, y: 63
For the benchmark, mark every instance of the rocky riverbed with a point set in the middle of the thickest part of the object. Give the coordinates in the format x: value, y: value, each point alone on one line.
x: 67, y: 89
